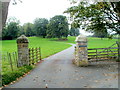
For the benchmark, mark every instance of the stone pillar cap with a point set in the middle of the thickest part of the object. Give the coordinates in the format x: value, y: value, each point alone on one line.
x: 22, y: 39
x: 81, y: 37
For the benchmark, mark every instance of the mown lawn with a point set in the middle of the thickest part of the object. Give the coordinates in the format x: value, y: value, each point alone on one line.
x: 94, y: 42
x: 48, y: 46
x: 52, y: 46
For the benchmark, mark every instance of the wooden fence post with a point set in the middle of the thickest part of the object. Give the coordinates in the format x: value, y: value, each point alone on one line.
x: 16, y: 58
x: 36, y: 54
x: 118, y: 44
x: 96, y: 54
x: 11, y: 62
x: 40, y: 53
x: 32, y: 55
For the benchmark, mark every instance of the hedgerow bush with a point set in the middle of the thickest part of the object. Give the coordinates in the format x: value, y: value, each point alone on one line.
x: 12, y: 76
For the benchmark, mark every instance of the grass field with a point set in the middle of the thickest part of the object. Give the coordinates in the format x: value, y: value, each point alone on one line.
x: 48, y: 47
x: 95, y: 42
x: 55, y: 46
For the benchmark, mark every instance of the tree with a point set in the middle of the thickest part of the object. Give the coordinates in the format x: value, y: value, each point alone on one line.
x: 28, y: 29
x: 57, y: 27
x: 11, y: 31
x: 85, y: 14
x: 74, y: 31
x: 4, y: 4
x: 115, y: 6
x: 21, y: 31
x: 40, y: 26
x: 98, y: 27
x: 112, y: 12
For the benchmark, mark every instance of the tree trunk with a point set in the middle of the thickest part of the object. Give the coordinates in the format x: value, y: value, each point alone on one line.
x: 0, y: 20
x: 3, y: 14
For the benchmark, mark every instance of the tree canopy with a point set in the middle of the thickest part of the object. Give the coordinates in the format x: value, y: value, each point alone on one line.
x: 11, y: 31
x: 95, y: 17
x: 40, y: 26
x: 57, y: 27
x: 28, y: 29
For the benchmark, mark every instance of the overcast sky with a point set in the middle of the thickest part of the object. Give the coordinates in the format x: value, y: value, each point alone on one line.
x: 28, y: 10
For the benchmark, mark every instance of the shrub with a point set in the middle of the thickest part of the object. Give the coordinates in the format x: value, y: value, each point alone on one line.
x: 12, y: 76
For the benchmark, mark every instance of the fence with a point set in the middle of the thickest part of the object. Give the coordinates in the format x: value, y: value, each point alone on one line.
x: 10, y: 60
x: 103, y: 53
x: 34, y: 55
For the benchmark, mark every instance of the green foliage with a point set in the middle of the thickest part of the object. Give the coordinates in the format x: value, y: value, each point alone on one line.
x: 12, y: 76
x: 98, y: 26
x: 95, y: 17
x: 40, y: 26
x: 57, y: 27
x: 74, y: 32
x: 21, y: 32
x: 28, y: 29
x: 10, y: 31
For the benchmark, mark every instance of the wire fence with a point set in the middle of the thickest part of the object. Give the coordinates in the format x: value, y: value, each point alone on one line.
x: 10, y: 59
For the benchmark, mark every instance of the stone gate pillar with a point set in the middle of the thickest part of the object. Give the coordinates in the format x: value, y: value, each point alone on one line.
x: 81, y: 53
x: 23, y: 51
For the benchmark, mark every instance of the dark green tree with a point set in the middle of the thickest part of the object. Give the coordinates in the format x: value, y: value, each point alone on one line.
x: 21, y: 32
x: 4, y: 33
x: 40, y: 26
x: 58, y: 27
x: 11, y: 31
x: 28, y: 29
